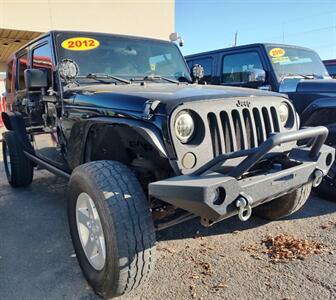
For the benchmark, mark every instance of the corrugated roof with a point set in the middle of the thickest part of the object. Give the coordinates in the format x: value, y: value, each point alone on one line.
x: 12, y: 40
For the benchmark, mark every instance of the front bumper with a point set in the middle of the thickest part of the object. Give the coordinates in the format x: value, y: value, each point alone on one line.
x: 213, y: 195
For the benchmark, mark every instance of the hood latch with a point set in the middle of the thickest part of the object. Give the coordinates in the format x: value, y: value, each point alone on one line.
x: 150, y: 107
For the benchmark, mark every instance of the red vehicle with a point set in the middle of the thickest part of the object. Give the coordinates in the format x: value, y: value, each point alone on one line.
x: 331, y: 67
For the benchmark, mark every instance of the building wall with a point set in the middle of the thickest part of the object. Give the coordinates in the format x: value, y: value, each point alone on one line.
x: 151, y: 18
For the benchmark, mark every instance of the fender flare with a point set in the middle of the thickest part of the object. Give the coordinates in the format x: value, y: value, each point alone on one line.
x: 311, y: 112
x: 322, y: 112
x: 148, y: 131
x: 14, y: 121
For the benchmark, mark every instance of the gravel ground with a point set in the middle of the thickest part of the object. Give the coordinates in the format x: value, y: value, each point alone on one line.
x: 37, y: 259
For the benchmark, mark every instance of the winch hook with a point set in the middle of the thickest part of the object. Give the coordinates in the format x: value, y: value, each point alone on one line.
x: 244, y: 204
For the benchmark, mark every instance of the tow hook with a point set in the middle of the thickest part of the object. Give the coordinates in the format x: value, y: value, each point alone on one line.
x: 244, y: 204
x: 318, y: 176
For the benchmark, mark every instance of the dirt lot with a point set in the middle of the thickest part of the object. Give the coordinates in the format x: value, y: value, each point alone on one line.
x: 37, y: 260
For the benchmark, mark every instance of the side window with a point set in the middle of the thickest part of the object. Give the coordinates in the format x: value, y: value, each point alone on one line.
x: 190, y: 64
x: 22, y: 65
x: 331, y: 69
x: 207, y: 64
x: 235, y: 65
x: 42, y: 59
x: 9, y: 77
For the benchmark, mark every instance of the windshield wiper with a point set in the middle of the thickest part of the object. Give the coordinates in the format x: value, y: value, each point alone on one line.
x: 156, y: 77
x: 184, y: 79
x: 98, y: 76
x: 305, y: 76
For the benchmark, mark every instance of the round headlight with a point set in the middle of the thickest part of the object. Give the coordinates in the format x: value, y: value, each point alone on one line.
x: 283, y: 113
x: 184, y: 126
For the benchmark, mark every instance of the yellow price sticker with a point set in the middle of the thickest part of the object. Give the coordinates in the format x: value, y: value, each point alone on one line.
x: 80, y: 44
x: 277, y: 52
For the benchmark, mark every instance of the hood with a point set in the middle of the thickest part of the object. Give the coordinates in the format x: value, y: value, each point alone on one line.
x: 317, y: 86
x: 133, y: 97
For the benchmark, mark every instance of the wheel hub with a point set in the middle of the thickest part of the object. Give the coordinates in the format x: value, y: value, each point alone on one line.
x: 90, y: 231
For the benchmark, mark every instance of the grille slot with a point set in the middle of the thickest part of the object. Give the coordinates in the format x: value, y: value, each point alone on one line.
x: 267, y: 122
x: 238, y: 128
x: 241, y: 129
x: 259, y: 125
x: 227, y: 130
x: 215, y: 135
x: 275, y: 119
x: 250, y: 134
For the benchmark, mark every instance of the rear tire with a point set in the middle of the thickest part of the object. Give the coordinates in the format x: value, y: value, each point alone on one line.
x: 19, y: 169
x: 126, y: 222
x: 284, y: 205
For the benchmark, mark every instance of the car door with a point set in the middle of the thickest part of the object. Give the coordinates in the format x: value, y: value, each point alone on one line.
x: 234, y: 64
x: 48, y: 110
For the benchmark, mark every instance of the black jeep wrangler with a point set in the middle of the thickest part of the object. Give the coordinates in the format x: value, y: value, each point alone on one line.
x: 293, y: 70
x: 145, y: 148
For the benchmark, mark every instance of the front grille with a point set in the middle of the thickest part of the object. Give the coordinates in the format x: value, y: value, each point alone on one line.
x: 241, y: 129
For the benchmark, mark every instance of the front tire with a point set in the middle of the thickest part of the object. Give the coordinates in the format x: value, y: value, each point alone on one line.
x: 19, y: 169
x: 112, y: 201
x: 327, y: 188
x: 284, y: 205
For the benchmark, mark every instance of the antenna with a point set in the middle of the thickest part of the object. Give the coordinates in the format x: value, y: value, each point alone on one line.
x: 235, y: 39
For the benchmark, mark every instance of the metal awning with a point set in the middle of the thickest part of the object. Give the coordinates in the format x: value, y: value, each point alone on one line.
x: 12, y: 40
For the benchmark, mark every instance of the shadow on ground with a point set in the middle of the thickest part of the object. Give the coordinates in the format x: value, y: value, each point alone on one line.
x: 36, y: 250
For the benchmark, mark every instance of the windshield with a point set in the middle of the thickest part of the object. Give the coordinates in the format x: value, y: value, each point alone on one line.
x: 291, y: 61
x: 125, y: 57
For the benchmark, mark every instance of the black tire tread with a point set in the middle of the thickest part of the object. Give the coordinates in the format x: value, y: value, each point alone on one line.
x: 132, y: 220
x: 22, y: 167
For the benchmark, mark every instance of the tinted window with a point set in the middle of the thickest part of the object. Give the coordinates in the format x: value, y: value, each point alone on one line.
x: 42, y: 59
x: 207, y: 64
x: 235, y: 65
x: 22, y: 65
x: 9, y: 77
x: 331, y: 69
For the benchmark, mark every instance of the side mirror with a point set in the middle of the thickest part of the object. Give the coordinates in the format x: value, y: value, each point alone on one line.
x: 255, y: 76
x: 175, y: 37
x: 197, y: 72
x: 35, y: 79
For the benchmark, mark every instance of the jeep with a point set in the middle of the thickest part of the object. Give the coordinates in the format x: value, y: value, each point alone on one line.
x: 145, y: 148
x: 296, y: 71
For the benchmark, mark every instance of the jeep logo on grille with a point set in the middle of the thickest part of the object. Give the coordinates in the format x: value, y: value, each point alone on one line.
x: 243, y: 103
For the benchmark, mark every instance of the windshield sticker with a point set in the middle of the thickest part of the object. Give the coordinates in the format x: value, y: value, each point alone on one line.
x: 153, y: 67
x: 277, y: 52
x: 80, y: 44
x: 283, y: 59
